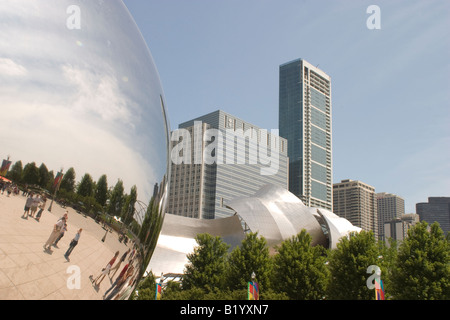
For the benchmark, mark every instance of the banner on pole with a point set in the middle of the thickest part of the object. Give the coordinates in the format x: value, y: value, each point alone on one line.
x: 5, y: 167
x: 379, y: 290
x: 253, y: 291
x: 158, y: 291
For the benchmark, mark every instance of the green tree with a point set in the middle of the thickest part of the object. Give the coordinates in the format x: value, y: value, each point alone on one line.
x: 348, y: 264
x: 422, y: 268
x: 207, y: 264
x: 68, y: 180
x: 299, y: 269
x: 31, y: 174
x: 251, y: 256
x: 101, y: 191
x: 16, y: 171
x: 116, y: 199
x: 86, y: 186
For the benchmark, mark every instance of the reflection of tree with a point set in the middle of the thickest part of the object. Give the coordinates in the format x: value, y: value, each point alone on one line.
x: 116, y: 199
x: 68, y: 180
x: 101, y: 191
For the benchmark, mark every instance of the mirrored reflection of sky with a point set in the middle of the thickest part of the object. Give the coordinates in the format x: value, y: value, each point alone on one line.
x: 390, y: 87
x: 86, y: 98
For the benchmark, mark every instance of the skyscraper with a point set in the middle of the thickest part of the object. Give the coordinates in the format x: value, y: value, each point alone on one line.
x: 356, y: 201
x: 389, y: 207
x: 436, y: 209
x: 305, y: 121
x: 218, y: 157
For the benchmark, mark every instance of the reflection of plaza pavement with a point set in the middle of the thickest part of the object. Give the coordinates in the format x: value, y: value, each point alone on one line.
x: 28, y: 272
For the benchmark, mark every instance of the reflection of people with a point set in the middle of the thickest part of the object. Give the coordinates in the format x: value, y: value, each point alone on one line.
x: 34, y: 205
x: 117, y: 280
x: 73, y: 243
x: 120, y: 283
x: 61, y: 234
x: 105, y: 270
x: 117, y: 266
x: 28, y: 204
x: 56, y: 231
x: 41, y: 208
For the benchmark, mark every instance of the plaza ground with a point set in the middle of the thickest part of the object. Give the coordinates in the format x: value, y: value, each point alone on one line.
x: 28, y: 272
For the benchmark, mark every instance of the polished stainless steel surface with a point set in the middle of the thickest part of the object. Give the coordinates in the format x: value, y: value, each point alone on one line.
x: 79, y: 89
x: 177, y: 239
x: 337, y: 227
x: 277, y: 215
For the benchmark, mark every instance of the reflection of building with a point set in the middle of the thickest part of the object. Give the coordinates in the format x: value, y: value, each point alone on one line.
x: 273, y: 212
x: 218, y: 157
x: 389, y: 207
x: 356, y: 202
x: 305, y: 121
x: 436, y: 209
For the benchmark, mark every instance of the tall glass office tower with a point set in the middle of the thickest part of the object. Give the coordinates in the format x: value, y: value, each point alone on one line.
x: 219, y: 157
x: 305, y: 121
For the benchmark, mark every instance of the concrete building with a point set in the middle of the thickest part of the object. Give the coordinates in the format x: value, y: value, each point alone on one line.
x: 305, y: 121
x: 436, y: 209
x: 389, y: 207
x: 218, y: 157
x: 397, y: 228
x: 356, y: 201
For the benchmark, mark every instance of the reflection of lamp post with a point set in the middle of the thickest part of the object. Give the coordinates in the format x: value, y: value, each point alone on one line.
x: 104, y: 237
x: 56, y: 184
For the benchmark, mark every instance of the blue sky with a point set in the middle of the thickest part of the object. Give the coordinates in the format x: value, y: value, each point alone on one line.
x: 390, y: 87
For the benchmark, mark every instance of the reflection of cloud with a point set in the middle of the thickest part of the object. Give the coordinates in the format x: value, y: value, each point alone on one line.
x: 87, y: 99
x: 99, y: 94
x: 10, y: 68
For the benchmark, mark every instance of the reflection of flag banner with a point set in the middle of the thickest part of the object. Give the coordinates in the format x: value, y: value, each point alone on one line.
x: 253, y: 291
x: 158, y: 291
x: 5, y: 167
x: 58, y: 179
x: 379, y: 290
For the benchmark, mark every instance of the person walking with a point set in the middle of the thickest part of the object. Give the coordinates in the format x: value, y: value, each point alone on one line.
x: 72, y: 244
x: 28, y: 204
x: 105, y: 271
x: 55, y: 232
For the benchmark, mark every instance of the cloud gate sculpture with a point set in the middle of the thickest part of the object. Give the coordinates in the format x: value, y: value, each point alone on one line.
x: 81, y: 101
x: 273, y: 212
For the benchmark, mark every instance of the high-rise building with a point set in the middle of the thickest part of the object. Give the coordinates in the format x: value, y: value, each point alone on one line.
x: 389, y: 207
x: 218, y: 157
x: 397, y: 228
x: 305, y: 121
x: 436, y: 209
x: 356, y: 202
